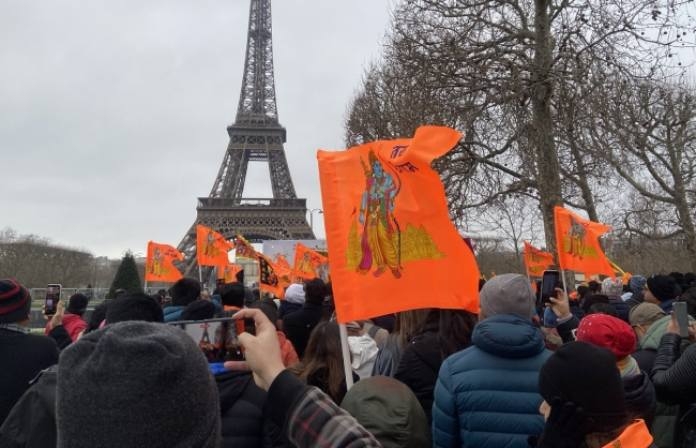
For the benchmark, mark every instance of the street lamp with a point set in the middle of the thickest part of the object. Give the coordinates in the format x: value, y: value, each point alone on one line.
x: 311, y: 217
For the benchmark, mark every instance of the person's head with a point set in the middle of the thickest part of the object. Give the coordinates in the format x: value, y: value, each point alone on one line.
x: 232, y: 294
x: 240, y: 276
x: 585, y: 375
x: 454, y: 330
x: 268, y: 308
x: 636, y: 285
x: 15, y: 302
x: 315, y: 291
x: 123, y: 380
x: 689, y: 296
x: 612, y: 287
x: 185, y: 291
x: 198, y: 310
x: 594, y: 286
x: 607, y: 332
x: 507, y: 294
x: 410, y: 323
x: 77, y: 304
x: 583, y: 291
x: 593, y: 299
x: 295, y: 293
x: 390, y: 411
x: 661, y: 288
x: 97, y: 316
x: 323, y: 353
x: 602, y: 308
x: 642, y: 316
x: 135, y: 306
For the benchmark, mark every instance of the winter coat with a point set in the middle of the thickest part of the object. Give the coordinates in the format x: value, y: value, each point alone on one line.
x: 32, y: 421
x: 418, y: 368
x: 298, y: 326
x: 172, y: 313
x: 22, y: 357
x: 622, y: 308
x: 241, y: 413
x: 388, y: 358
x: 488, y: 394
x: 639, y: 394
x: 287, y: 351
x: 73, y: 324
x: 286, y: 308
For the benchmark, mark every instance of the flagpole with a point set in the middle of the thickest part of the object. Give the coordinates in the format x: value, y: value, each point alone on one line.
x: 200, y: 275
x: 347, y: 369
x: 563, y: 279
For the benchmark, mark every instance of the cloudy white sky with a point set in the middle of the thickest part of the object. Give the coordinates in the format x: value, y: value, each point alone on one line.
x: 113, y: 114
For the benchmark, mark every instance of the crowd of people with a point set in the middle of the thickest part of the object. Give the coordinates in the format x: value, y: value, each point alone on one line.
x: 603, y: 365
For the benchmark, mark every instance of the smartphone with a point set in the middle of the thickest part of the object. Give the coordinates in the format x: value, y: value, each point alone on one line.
x: 550, y: 280
x: 52, y: 298
x: 217, y: 338
x: 680, y: 312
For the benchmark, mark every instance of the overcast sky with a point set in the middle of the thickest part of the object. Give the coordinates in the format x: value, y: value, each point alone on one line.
x: 113, y: 114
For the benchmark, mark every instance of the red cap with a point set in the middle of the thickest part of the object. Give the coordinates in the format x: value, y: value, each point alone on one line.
x: 608, y: 332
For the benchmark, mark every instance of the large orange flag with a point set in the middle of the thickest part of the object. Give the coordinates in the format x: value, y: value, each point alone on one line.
x: 211, y: 247
x: 536, y: 260
x: 228, y: 273
x: 282, y: 265
x: 577, y: 244
x: 159, y: 265
x: 310, y: 264
x: 388, y: 229
x: 268, y: 278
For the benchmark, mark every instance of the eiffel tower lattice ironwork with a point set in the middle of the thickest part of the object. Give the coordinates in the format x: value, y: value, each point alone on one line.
x: 256, y: 135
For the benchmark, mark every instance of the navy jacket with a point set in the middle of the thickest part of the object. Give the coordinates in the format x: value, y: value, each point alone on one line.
x: 487, y: 395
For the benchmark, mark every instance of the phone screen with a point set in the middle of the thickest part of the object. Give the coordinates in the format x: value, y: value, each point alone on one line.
x: 682, y: 315
x: 217, y: 338
x: 52, y: 298
x: 550, y: 280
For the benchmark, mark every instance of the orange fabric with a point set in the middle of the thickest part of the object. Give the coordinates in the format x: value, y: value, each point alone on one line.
x: 388, y: 229
x: 636, y: 435
x: 243, y: 248
x: 577, y: 244
x: 309, y: 263
x: 159, y: 266
x: 268, y: 279
x: 536, y: 261
x: 282, y: 265
x: 211, y: 247
x: 228, y: 273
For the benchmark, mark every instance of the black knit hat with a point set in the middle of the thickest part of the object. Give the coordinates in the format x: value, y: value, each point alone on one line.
x: 136, y: 306
x: 663, y: 287
x: 198, y: 310
x: 77, y: 304
x: 587, y: 376
x: 15, y: 302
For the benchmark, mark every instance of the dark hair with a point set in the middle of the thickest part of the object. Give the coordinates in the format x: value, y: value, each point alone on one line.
x: 592, y: 299
x: 315, y: 291
x: 232, y: 294
x: 134, y: 306
x: 594, y: 286
x: 602, y: 308
x: 268, y: 307
x: 97, y: 316
x: 240, y: 276
x: 689, y: 297
x: 455, y: 329
x: 583, y: 291
x: 323, y: 358
x: 77, y: 304
x: 185, y: 291
x: 198, y: 310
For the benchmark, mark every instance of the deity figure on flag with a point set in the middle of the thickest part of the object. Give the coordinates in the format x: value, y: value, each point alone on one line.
x: 209, y: 245
x: 156, y: 266
x: 377, y: 218
x: 577, y: 238
x: 306, y: 265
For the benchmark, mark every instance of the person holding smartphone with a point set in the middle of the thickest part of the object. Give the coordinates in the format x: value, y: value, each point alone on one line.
x: 673, y: 377
x: 72, y: 320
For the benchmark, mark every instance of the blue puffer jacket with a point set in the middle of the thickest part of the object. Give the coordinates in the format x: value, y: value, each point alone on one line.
x: 486, y: 396
x: 172, y: 313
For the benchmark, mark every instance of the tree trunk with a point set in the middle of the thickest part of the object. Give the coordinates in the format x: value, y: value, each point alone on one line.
x: 548, y: 172
x: 583, y: 184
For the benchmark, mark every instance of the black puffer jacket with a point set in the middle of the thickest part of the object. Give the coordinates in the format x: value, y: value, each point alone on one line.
x: 241, y: 412
x: 640, y: 397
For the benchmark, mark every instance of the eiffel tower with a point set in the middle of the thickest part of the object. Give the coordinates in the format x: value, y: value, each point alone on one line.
x: 256, y: 135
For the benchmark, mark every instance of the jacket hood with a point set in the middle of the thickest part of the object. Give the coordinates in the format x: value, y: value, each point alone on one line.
x: 390, y: 411
x: 651, y: 340
x: 508, y: 336
x: 639, y: 394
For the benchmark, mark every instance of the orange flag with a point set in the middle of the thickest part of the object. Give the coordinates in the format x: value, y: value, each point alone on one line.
x: 536, y: 260
x: 268, y: 278
x: 389, y: 231
x: 310, y: 264
x: 243, y: 247
x: 577, y: 244
x: 159, y: 266
x: 228, y: 273
x: 211, y: 247
x: 282, y: 265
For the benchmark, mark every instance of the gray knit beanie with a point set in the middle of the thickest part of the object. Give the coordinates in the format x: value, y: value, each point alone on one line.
x: 507, y: 294
x: 136, y: 384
